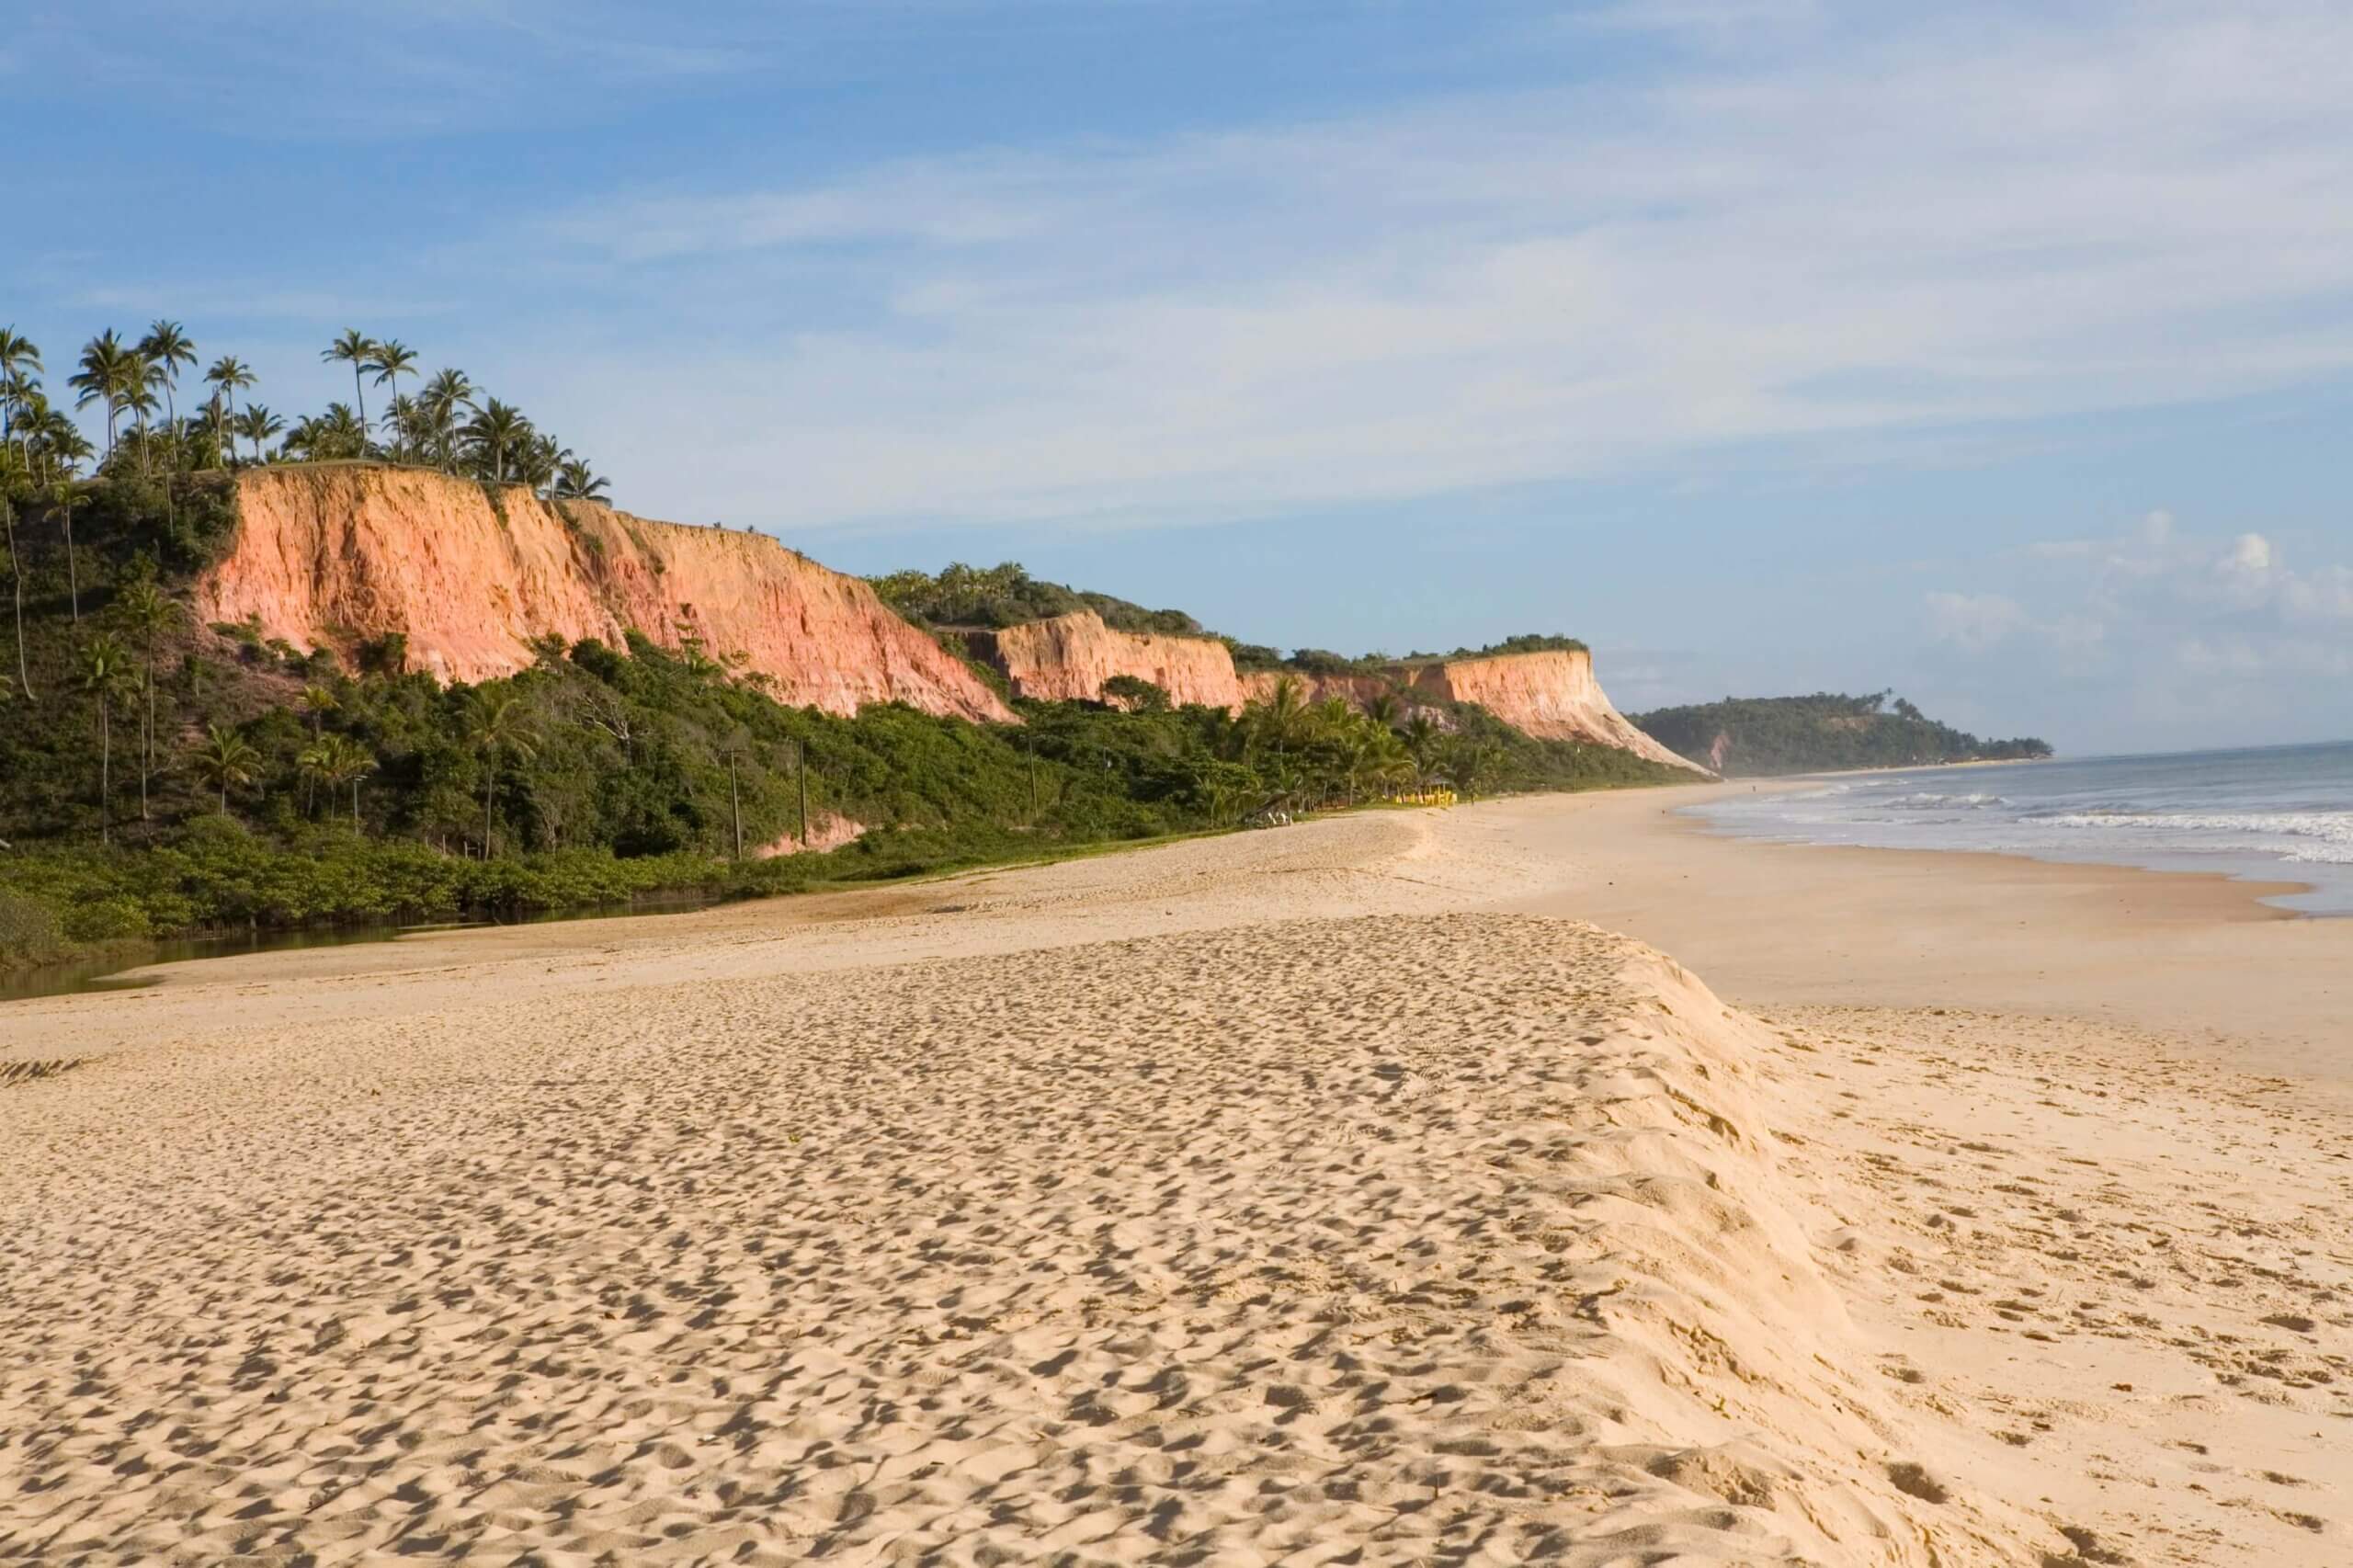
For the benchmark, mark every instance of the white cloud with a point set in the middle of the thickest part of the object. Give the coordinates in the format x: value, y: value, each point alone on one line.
x: 1940, y: 223
x: 2225, y: 607
x: 2249, y: 557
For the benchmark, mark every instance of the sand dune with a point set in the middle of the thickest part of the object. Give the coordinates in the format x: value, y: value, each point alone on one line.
x: 1256, y: 1201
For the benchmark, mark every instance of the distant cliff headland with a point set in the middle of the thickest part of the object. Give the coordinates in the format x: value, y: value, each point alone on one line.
x: 1759, y: 736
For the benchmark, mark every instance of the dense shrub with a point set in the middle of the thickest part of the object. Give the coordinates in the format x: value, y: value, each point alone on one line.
x: 30, y: 932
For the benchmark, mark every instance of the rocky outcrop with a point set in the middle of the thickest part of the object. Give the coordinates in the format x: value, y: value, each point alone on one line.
x: 335, y: 555
x: 1551, y: 695
x: 1068, y: 658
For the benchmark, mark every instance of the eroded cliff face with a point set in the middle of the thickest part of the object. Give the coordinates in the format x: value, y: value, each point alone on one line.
x: 335, y: 556
x: 1552, y: 694
x: 1068, y: 658
x: 1355, y: 690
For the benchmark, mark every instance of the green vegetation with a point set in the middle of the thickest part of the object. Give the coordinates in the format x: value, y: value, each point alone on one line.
x: 1324, y: 662
x: 159, y: 777
x: 135, y: 387
x: 1756, y: 736
x: 1006, y: 595
x: 1526, y: 642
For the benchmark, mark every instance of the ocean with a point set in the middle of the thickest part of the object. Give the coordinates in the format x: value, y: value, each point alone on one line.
x: 2276, y: 814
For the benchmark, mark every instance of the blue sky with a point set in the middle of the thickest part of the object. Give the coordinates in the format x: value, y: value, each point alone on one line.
x: 2003, y: 355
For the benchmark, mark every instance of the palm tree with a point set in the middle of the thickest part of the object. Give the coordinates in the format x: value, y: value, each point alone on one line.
x: 334, y: 434
x: 168, y: 347
x: 224, y: 760
x: 407, y: 423
x: 20, y: 398
x: 392, y: 360
x: 147, y: 613
x: 106, y: 672
x: 359, y: 351
x: 229, y: 376
x: 17, y: 574
x: 1376, y: 759
x: 106, y: 372
x: 1281, y: 717
x: 62, y: 499
x: 138, y: 398
x: 257, y: 425
x: 318, y: 702
x: 19, y: 361
x: 575, y: 482
x: 333, y: 761
x: 60, y: 442
x: 1421, y: 737
x: 1468, y: 765
x: 502, y: 726
x: 497, y: 430
x: 350, y: 763
x: 539, y: 459
x: 442, y: 397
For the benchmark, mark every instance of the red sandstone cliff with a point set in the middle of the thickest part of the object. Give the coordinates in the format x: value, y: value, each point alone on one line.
x: 1553, y: 695
x: 1355, y: 690
x: 335, y: 555
x: 1068, y: 658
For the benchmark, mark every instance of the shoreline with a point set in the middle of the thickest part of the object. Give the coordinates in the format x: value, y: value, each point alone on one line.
x: 2272, y: 886
x: 2194, y: 954
x: 2256, y: 889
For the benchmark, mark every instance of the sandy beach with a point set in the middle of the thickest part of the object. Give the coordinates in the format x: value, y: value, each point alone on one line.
x: 1378, y: 1190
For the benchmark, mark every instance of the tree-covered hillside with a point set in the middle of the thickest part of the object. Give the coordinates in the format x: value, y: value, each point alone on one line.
x: 1006, y: 595
x: 159, y: 775
x: 1755, y: 736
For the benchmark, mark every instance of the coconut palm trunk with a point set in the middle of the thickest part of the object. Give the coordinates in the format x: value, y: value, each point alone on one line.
x: 106, y: 771
x: 147, y: 731
x: 16, y: 571
x: 488, y: 789
x: 147, y: 735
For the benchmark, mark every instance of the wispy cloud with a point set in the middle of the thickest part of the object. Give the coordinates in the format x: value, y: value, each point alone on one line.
x: 1933, y: 228
x: 393, y: 69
